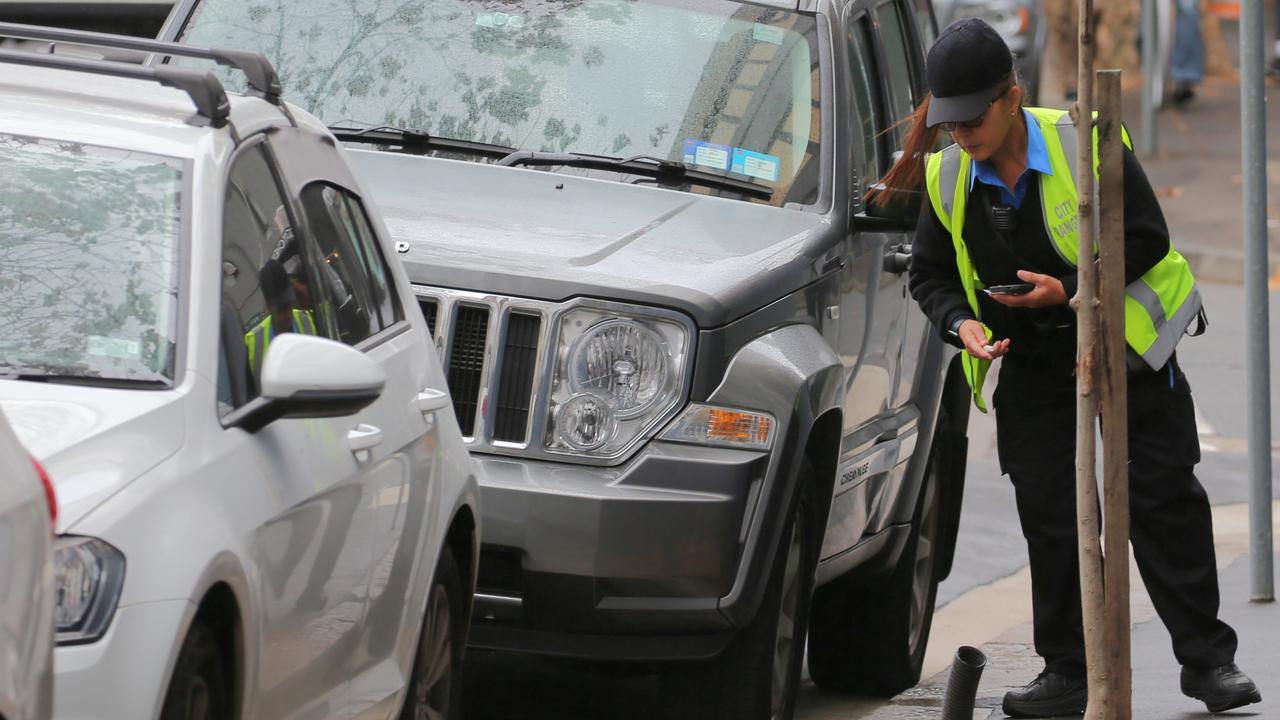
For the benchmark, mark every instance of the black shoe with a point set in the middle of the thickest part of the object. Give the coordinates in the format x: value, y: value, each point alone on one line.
x: 1221, y: 688
x: 1183, y: 93
x: 1049, y: 695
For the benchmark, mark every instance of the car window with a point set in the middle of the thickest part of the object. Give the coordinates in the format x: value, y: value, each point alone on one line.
x: 864, y: 88
x: 361, y: 298
x: 89, y: 241
x: 722, y: 86
x: 364, y: 241
x: 923, y: 10
x: 268, y: 285
x: 897, y: 59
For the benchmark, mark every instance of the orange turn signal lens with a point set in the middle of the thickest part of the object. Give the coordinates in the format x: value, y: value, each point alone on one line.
x: 722, y: 427
x: 738, y: 427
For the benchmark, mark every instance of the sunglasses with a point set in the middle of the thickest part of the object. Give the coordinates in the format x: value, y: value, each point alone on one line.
x: 975, y: 123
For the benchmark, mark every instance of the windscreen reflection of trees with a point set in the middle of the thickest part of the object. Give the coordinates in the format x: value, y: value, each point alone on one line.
x: 87, y: 245
x: 526, y: 74
x: 373, y: 62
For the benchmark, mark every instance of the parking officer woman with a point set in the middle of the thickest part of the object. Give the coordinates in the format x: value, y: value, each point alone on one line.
x: 1002, y: 212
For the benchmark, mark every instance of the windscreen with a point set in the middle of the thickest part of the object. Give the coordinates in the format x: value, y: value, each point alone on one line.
x: 88, y: 245
x: 724, y: 87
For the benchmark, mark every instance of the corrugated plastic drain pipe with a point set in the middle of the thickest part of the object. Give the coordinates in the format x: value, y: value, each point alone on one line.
x: 962, y: 686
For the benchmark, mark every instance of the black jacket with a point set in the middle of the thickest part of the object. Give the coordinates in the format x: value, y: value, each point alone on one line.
x: 1043, y: 338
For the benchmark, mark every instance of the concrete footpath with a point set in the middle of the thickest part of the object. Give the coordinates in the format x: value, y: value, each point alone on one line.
x: 1011, y: 659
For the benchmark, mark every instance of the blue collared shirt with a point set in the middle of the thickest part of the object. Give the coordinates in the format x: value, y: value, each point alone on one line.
x: 1037, y: 159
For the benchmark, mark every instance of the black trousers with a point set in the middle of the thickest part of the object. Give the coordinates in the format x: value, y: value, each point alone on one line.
x: 1171, y: 528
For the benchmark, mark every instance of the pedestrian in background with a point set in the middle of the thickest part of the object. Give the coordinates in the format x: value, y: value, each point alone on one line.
x: 1187, y: 60
x: 1002, y: 211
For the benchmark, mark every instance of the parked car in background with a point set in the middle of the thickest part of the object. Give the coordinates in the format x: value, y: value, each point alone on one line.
x: 1021, y: 23
x: 707, y: 417
x: 267, y: 509
x: 27, y: 511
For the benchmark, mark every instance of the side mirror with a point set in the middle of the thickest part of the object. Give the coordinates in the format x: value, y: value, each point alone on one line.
x: 304, y: 376
x: 902, y: 210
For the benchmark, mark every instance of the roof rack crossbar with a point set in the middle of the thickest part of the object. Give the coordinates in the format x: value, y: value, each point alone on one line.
x: 262, y: 77
x: 203, y: 88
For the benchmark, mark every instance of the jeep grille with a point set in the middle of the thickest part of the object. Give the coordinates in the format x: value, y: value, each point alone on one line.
x: 490, y: 347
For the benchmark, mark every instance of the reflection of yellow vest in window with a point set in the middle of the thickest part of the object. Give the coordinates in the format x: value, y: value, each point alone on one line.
x: 260, y: 337
x: 1158, y: 307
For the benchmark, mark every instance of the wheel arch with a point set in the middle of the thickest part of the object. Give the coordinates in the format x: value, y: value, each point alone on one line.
x: 220, y: 611
x: 795, y: 375
x: 463, y: 542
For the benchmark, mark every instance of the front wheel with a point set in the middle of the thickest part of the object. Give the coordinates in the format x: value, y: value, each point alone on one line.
x: 871, y: 638
x: 199, y: 688
x: 771, y: 646
x: 435, y: 692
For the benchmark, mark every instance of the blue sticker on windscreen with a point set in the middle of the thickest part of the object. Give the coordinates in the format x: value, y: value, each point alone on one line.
x: 708, y: 155
x: 756, y: 165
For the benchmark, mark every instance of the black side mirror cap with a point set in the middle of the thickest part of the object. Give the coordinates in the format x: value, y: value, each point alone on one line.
x: 903, y: 206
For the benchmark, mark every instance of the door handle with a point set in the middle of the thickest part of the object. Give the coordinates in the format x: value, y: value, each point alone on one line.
x: 430, y: 400
x: 361, y: 439
x: 898, y: 259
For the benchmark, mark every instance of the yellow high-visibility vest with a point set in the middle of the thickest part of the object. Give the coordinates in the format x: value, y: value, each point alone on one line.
x: 260, y: 337
x: 1158, y: 307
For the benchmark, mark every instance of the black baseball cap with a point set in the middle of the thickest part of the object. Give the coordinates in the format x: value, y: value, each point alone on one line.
x: 966, y: 67
x: 277, y: 289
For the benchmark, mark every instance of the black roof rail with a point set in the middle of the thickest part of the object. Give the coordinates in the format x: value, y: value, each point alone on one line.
x: 263, y: 80
x: 205, y: 90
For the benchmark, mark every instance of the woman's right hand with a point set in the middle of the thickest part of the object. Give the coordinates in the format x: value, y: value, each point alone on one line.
x: 975, y: 341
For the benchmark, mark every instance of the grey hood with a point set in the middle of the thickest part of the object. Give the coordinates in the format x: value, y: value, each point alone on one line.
x: 552, y: 236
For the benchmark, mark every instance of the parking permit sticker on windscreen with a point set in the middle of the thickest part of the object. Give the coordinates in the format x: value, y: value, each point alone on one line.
x: 708, y: 155
x: 114, y: 348
x: 500, y: 20
x: 756, y: 165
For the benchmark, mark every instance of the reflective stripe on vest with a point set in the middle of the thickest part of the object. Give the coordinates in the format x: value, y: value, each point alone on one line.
x: 1159, y: 306
x: 260, y: 336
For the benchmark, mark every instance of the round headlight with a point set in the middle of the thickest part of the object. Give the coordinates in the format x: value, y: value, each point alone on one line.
x: 585, y: 422
x: 623, y: 362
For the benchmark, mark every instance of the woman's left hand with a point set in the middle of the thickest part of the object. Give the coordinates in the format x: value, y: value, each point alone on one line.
x: 1048, y: 291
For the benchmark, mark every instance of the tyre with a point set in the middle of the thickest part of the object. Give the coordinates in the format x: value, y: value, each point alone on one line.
x: 435, y: 690
x: 733, y: 685
x: 870, y: 637
x: 199, y: 688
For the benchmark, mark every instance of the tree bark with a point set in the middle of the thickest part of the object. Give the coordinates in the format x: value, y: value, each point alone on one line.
x: 1115, y: 416
x: 1086, y: 305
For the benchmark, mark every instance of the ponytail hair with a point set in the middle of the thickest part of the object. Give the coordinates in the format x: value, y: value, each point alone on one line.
x: 908, y: 173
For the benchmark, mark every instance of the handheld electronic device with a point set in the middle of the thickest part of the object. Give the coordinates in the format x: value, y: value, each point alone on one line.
x: 1012, y: 289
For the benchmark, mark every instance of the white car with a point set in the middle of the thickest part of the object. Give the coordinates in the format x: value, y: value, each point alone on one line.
x: 266, y: 508
x: 27, y: 511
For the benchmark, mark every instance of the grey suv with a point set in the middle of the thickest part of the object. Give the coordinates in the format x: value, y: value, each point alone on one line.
x: 705, y: 413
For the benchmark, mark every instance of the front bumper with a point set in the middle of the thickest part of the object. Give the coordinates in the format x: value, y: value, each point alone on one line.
x: 126, y: 673
x: 631, y: 562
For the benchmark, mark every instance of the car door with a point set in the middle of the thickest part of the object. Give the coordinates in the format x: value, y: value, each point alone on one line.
x: 873, y: 295
x: 399, y: 477
x: 311, y: 555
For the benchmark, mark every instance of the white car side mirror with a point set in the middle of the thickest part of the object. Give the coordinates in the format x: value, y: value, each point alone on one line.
x: 298, y: 367
x: 304, y: 376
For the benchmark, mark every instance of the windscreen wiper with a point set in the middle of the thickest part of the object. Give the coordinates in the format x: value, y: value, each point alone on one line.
x: 417, y: 141
x: 44, y: 376
x: 668, y: 173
